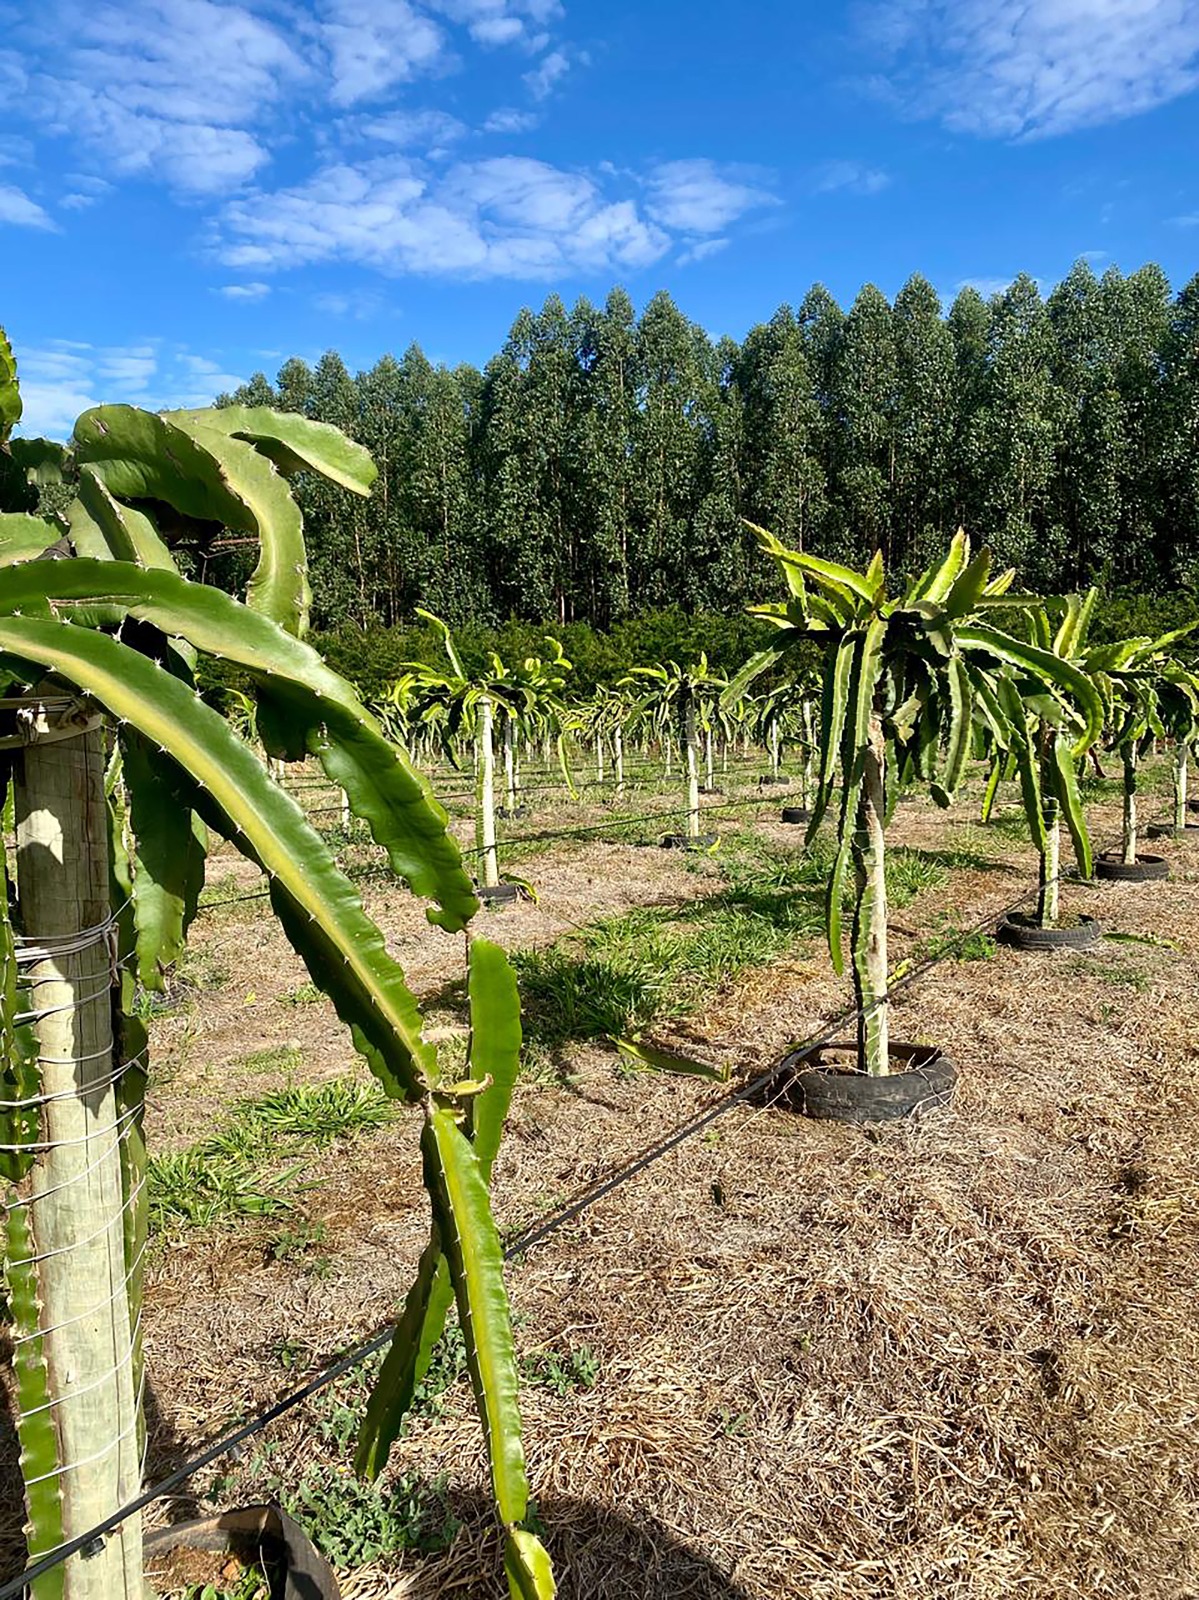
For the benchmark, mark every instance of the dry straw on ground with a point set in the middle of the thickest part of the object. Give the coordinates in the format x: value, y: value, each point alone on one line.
x: 958, y: 1358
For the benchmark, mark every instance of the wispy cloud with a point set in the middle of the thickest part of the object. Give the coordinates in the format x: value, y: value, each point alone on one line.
x: 17, y: 209
x: 704, y: 197
x: 64, y: 377
x: 856, y: 177
x: 997, y: 69
x: 201, y: 94
x: 508, y: 120
x: 432, y: 131
x: 1191, y: 220
x: 375, y: 44
x: 701, y: 251
x: 506, y: 217
x: 245, y: 291
x: 547, y: 74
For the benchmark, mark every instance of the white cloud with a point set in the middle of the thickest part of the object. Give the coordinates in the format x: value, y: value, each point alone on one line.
x: 508, y: 120
x: 853, y: 176
x: 548, y: 73
x: 431, y: 129
x: 996, y: 69
x: 1191, y: 221
x: 494, y: 23
x: 375, y: 44
x: 702, y: 249
x: 18, y: 209
x: 703, y: 197
x: 507, y: 217
x: 245, y: 291
x: 64, y: 377
x: 360, y: 305
x: 166, y: 87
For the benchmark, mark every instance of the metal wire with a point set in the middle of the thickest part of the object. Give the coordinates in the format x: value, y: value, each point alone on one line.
x: 830, y: 1032
x: 88, y: 1461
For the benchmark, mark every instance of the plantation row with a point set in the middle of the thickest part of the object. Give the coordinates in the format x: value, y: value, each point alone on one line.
x: 121, y: 752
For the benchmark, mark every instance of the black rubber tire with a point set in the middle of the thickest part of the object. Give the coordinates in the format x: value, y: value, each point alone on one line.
x: 795, y: 814
x: 682, y: 841
x: 770, y: 778
x: 1167, y: 830
x: 498, y: 894
x: 517, y: 811
x: 1193, y: 805
x: 1019, y: 934
x: 836, y: 1096
x: 703, y: 789
x: 1146, y: 869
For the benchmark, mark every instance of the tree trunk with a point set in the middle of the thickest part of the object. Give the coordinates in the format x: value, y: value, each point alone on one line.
x: 1130, y: 804
x: 75, y: 1202
x: 1180, y: 786
x: 667, y: 772
x: 692, y: 744
x: 618, y: 758
x: 491, y: 866
x: 709, y: 775
x: 774, y: 748
x: 1049, y: 889
x: 599, y: 758
x: 870, y: 912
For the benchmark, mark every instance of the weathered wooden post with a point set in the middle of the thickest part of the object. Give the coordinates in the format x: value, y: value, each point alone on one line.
x: 73, y: 1197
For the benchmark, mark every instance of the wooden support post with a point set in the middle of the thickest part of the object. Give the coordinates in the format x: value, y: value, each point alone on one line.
x: 75, y: 1191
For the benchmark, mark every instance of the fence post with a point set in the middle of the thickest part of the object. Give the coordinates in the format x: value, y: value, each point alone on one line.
x: 74, y: 1193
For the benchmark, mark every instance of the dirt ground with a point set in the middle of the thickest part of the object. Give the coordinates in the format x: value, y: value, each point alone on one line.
x: 957, y: 1357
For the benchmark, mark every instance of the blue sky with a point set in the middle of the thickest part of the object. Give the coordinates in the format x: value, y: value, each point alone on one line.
x: 193, y: 189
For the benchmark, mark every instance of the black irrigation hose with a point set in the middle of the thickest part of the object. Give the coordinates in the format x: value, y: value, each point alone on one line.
x: 828, y: 1034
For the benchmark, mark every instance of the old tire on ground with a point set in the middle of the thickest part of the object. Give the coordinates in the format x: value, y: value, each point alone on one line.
x: 819, y: 1089
x: 498, y: 894
x: 1021, y: 933
x: 259, y: 1536
x: 1146, y: 869
x: 515, y: 811
x: 795, y: 814
x: 1167, y: 830
x: 683, y: 841
x: 770, y: 778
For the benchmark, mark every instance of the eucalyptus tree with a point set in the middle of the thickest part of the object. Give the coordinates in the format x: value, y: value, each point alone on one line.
x: 99, y: 644
x: 681, y: 698
x: 925, y: 414
x: 903, y: 679
x: 784, y: 476
x: 864, y: 402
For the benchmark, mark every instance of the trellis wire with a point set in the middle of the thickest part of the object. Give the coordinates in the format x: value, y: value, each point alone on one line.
x: 830, y: 1032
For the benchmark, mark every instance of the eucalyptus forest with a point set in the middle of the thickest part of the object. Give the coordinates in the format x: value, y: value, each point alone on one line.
x: 601, y: 462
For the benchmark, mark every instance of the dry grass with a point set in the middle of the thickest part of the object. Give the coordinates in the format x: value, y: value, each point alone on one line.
x: 957, y: 1358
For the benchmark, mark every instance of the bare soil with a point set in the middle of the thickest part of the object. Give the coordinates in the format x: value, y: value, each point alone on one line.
x: 957, y: 1357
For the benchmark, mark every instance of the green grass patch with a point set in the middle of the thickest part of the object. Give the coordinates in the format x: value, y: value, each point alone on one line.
x: 241, y: 1170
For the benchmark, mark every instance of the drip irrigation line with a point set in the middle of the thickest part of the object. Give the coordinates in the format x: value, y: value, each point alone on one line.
x: 831, y: 1030
x: 772, y: 798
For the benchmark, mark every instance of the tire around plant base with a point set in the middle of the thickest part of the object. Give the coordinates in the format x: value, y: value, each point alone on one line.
x: 1146, y: 869
x: 770, y: 778
x: 925, y: 1084
x: 255, y: 1534
x: 498, y: 894
x: 1167, y: 830
x: 795, y: 814
x: 1019, y: 933
x: 516, y: 811
x: 683, y: 841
